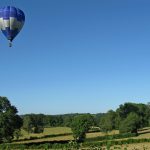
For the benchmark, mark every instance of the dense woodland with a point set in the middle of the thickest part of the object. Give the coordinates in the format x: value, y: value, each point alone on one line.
x: 55, y: 120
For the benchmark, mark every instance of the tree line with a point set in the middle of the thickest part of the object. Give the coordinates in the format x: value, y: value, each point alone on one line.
x: 127, y: 118
x: 33, y: 121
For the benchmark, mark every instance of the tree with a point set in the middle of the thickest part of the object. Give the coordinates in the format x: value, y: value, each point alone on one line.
x: 98, y: 117
x: 80, y: 126
x: 27, y: 123
x: 67, y: 121
x: 9, y: 120
x: 107, y: 122
x: 17, y: 134
x: 37, y: 123
x: 144, y: 115
x: 33, y: 123
x: 130, y: 124
x: 141, y: 110
x: 127, y: 108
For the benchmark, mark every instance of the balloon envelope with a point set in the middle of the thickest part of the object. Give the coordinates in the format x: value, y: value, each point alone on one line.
x: 11, y: 21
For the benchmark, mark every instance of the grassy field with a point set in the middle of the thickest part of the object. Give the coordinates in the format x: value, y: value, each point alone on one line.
x: 138, y: 146
x: 57, y: 131
x: 62, y: 130
x: 145, y: 133
x: 47, y: 131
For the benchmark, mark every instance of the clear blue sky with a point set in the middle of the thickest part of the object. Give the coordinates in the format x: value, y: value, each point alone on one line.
x: 77, y: 56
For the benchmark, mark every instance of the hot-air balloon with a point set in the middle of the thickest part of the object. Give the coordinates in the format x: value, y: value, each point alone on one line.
x: 11, y: 22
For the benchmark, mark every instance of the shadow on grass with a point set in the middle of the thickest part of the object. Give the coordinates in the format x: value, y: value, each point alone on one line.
x: 144, y: 132
x: 47, y: 142
x: 45, y: 136
x: 144, y: 129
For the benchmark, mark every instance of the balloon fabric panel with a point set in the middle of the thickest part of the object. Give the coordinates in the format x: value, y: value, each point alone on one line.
x: 11, y: 21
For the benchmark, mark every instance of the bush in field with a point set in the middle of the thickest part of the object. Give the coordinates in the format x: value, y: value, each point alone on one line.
x: 9, y: 120
x: 80, y: 126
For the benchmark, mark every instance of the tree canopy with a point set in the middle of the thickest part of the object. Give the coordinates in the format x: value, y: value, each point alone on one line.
x: 80, y: 126
x: 9, y: 120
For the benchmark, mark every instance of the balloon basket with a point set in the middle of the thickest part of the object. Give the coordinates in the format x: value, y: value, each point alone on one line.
x: 10, y: 44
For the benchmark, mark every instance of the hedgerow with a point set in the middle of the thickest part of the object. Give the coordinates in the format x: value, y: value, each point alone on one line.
x: 111, y: 137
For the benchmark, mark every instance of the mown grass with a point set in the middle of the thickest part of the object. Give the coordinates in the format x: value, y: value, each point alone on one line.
x: 144, y: 133
x: 57, y: 131
x: 96, y: 134
x: 47, y: 131
x: 137, y: 146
